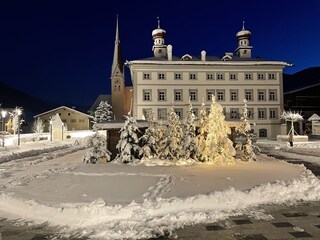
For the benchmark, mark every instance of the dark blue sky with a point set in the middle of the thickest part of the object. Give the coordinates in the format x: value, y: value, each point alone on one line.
x: 62, y: 50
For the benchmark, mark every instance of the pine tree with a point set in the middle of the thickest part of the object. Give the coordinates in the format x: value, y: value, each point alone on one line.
x: 219, y: 145
x: 202, y: 154
x: 245, y: 137
x: 99, y: 152
x: 128, y: 145
x: 190, y: 143
x: 171, y: 148
x: 102, y: 113
x: 149, y: 139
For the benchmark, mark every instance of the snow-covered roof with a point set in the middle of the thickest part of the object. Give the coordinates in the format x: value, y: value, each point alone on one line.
x: 62, y: 107
x: 101, y: 97
x: 108, y: 125
x: 314, y: 117
x: 303, y: 88
x: 210, y: 60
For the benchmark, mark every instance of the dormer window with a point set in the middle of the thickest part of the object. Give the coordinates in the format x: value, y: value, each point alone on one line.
x: 186, y: 57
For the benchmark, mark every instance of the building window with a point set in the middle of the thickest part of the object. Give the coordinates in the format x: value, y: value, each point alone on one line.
x: 193, y: 95
x: 146, y: 112
x: 210, y: 92
x: 261, y: 95
x: 248, y: 94
x: 162, y: 95
x: 193, y: 76
x: 272, y: 95
x: 263, y: 133
x: 146, y: 76
x: 233, y: 76
x: 195, y: 111
x: 220, y: 95
x: 233, y: 95
x: 178, y: 95
x: 271, y: 76
x: 210, y: 76
x: 234, y: 113
x: 250, y: 113
x: 161, y: 76
x: 162, y: 114
x: 179, y: 112
x: 261, y: 76
x: 81, y: 120
x: 146, y: 94
x: 273, y: 113
x: 220, y: 76
x: 261, y: 113
x: 177, y: 76
x: 248, y: 76
x: 73, y: 120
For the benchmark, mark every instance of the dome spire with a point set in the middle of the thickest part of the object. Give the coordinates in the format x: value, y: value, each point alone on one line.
x: 158, y: 22
x: 243, y: 25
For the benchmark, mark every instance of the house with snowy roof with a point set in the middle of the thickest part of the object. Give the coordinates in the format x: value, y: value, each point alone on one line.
x: 165, y: 79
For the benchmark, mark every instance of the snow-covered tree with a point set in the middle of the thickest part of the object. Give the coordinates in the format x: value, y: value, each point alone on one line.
x: 220, y: 147
x: 202, y: 135
x: 38, y: 127
x: 245, y: 136
x: 98, y: 152
x: 128, y: 145
x: 16, y: 119
x: 189, y: 142
x: 291, y: 117
x: 102, y: 113
x: 149, y: 139
x: 171, y: 148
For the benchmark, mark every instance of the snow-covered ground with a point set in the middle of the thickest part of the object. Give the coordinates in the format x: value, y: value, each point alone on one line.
x: 116, y: 201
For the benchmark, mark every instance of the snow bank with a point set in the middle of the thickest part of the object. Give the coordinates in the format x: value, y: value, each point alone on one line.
x: 157, y: 216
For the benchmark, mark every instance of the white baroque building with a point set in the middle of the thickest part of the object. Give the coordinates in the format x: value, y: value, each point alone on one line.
x: 165, y: 79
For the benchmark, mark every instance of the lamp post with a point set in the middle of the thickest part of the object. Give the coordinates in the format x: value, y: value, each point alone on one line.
x: 3, y: 115
x: 19, y: 113
x: 50, y: 130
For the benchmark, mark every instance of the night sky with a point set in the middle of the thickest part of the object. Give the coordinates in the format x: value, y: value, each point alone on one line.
x: 62, y: 50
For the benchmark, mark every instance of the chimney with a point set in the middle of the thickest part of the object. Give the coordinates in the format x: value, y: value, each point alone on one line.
x: 169, y: 52
x: 203, y: 55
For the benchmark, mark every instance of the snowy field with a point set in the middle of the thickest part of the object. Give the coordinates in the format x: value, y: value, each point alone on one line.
x: 116, y: 201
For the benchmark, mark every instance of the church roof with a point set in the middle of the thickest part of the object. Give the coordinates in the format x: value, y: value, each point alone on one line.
x: 101, y: 97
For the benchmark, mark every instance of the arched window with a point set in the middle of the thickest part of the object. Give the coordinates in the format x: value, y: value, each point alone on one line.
x: 263, y: 133
x: 119, y: 88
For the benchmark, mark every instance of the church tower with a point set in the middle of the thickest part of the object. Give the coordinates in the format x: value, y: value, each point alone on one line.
x: 117, y: 79
x: 159, y: 48
x: 244, y: 49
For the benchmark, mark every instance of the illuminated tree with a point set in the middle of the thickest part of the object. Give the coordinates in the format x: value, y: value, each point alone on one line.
x: 202, y: 153
x: 291, y: 117
x: 220, y: 147
x: 190, y: 143
x: 245, y: 137
x: 128, y: 145
x: 102, y: 113
x: 38, y: 127
x: 171, y: 143
x: 98, y: 152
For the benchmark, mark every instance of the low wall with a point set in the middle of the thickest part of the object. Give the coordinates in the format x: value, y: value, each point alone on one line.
x: 296, y: 138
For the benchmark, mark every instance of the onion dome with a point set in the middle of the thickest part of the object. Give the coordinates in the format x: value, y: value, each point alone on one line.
x: 158, y: 32
x: 243, y: 33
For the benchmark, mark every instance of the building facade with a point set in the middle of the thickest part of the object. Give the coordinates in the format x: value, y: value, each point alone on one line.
x: 165, y: 80
x: 71, y: 118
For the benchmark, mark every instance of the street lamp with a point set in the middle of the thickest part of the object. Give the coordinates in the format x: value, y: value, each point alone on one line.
x: 19, y: 113
x: 50, y: 130
x: 3, y: 115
